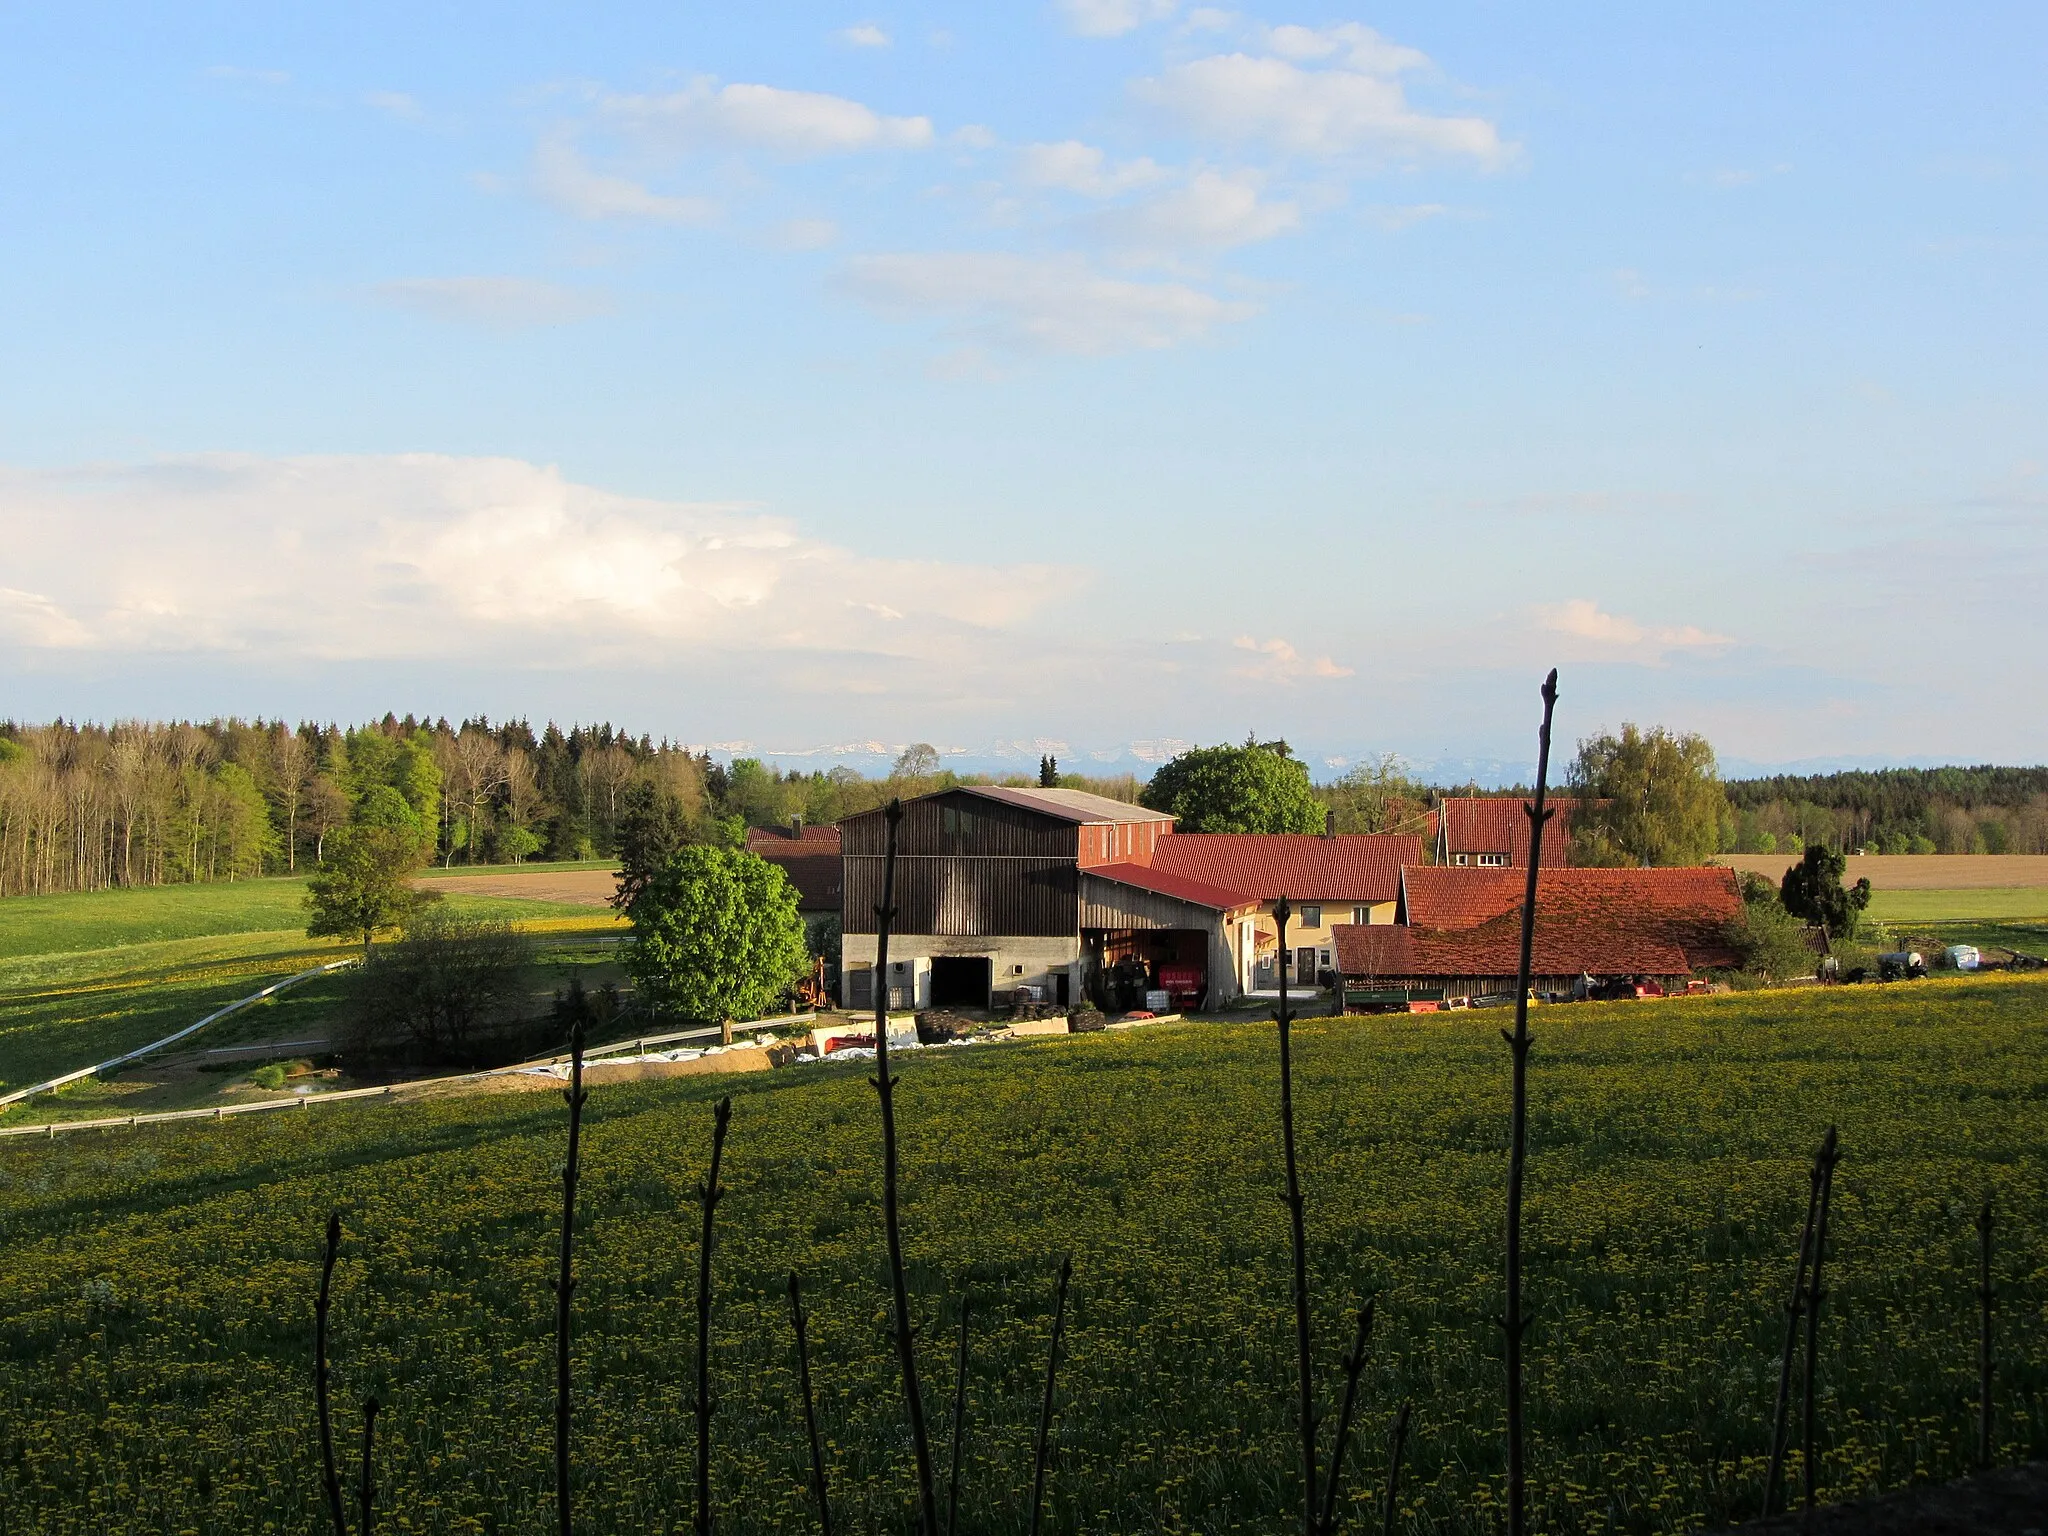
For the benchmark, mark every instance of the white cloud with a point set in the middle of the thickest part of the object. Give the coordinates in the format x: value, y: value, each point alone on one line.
x: 455, y: 560
x: 1213, y: 210
x: 502, y: 303
x: 864, y: 35
x: 1113, y: 18
x: 566, y: 179
x: 1580, y: 618
x: 1038, y: 304
x: 1359, y: 46
x: 1349, y: 108
x: 795, y: 124
x: 397, y: 104
x: 1276, y: 660
x: 1071, y: 166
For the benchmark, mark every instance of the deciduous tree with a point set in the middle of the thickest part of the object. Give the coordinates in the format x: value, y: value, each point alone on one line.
x: 1258, y: 787
x: 1646, y: 797
x: 716, y: 936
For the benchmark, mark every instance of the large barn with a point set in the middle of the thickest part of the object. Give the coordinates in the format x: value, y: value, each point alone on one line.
x: 1002, y: 888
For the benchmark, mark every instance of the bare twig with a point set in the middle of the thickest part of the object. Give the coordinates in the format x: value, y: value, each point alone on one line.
x: 1304, y: 1363
x: 1985, y: 1302
x: 1809, y: 1441
x: 565, y: 1281
x: 1052, y: 1368
x: 708, y: 1196
x: 885, y: 1086
x: 803, y: 1370
x: 366, y: 1490
x: 330, y: 1479
x: 959, y: 1425
x: 1354, y: 1364
x: 1795, y: 1309
x: 1518, y: 1042
x: 1394, y: 1469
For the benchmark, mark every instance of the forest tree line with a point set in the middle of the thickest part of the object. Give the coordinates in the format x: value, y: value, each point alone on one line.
x: 86, y: 806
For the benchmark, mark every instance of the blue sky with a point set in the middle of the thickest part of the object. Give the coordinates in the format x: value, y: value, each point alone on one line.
x: 1100, y: 375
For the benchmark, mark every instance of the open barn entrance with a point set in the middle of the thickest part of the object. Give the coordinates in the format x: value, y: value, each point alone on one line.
x: 960, y: 981
x: 1130, y: 962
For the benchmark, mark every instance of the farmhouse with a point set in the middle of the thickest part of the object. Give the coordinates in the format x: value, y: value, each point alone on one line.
x: 1459, y: 933
x: 1492, y: 832
x: 809, y: 855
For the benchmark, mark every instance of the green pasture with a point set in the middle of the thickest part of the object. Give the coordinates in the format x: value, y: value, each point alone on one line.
x: 1992, y: 904
x: 158, y: 1283
x: 85, y: 976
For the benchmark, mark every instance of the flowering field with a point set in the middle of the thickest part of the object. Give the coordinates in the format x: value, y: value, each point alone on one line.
x: 156, y: 1285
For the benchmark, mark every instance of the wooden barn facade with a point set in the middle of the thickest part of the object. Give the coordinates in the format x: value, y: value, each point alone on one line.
x: 1002, y: 888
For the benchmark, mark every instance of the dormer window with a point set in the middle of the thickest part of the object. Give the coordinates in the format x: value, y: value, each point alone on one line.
x: 1494, y: 860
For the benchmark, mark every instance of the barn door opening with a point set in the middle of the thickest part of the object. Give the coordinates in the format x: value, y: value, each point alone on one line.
x: 960, y: 981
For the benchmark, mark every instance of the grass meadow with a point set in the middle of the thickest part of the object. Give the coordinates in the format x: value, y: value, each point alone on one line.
x: 158, y: 1283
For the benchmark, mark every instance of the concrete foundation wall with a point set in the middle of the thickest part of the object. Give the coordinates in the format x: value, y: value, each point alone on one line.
x: 1039, y: 958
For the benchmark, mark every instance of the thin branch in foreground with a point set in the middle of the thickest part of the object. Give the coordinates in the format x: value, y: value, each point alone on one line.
x: 1304, y: 1362
x: 565, y: 1280
x: 330, y: 1479
x: 1795, y: 1309
x: 1393, y: 1503
x: 1052, y: 1369
x: 959, y: 1426
x: 366, y: 1490
x: 1986, y: 1445
x: 1354, y: 1365
x: 1518, y: 1152
x: 885, y: 1086
x: 1810, y: 1441
x: 708, y: 1196
x: 803, y: 1371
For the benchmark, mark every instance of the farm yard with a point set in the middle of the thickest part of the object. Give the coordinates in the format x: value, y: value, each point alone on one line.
x: 158, y: 1281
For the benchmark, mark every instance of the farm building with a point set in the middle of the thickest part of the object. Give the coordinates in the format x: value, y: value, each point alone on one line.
x: 1329, y: 881
x: 809, y: 855
x: 1492, y: 832
x: 1085, y: 897
x: 1460, y: 930
x: 1000, y: 888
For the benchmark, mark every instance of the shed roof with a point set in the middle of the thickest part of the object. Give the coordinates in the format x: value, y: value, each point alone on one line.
x: 1075, y: 805
x: 810, y: 857
x: 1165, y: 883
x: 809, y: 837
x: 1355, y: 867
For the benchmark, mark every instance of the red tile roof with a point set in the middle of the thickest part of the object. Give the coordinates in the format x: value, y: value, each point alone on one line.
x: 1444, y: 896
x: 809, y: 856
x: 1607, y: 922
x: 1149, y: 878
x: 1498, y: 824
x: 1302, y: 867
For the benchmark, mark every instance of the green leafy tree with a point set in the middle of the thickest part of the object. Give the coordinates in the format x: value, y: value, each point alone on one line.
x: 365, y: 885
x: 1376, y: 796
x: 243, y: 835
x: 1813, y: 890
x: 716, y: 936
x: 1769, y: 942
x: 1258, y: 787
x: 1646, y: 797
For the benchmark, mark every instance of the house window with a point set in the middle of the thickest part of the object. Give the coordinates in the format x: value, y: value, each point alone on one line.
x: 1492, y: 860
x: 1360, y: 916
x: 1311, y: 917
x: 1461, y: 858
x: 1323, y: 958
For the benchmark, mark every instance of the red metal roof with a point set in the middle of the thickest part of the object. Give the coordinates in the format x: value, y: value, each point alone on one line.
x: 1498, y: 824
x: 809, y: 839
x: 1165, y: 883
x: 1609, y: 922
x: 1364, y: 867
